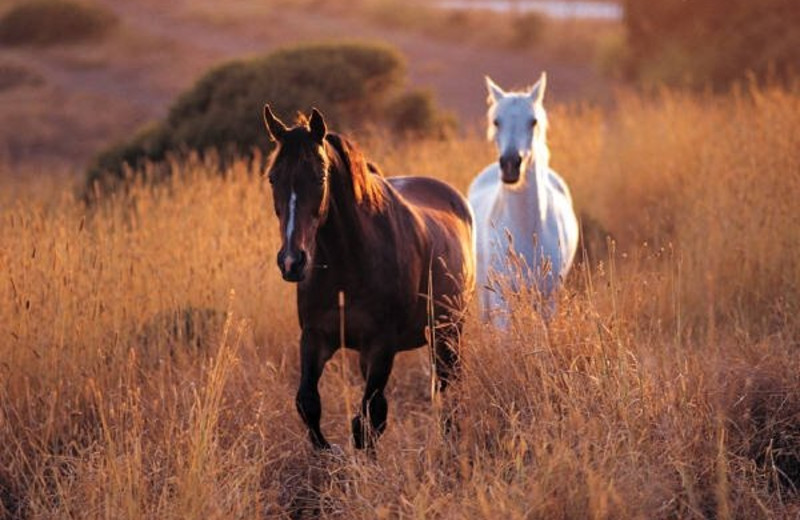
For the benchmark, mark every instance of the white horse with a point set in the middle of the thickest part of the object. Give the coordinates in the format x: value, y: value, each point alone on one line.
x: 527, y: 232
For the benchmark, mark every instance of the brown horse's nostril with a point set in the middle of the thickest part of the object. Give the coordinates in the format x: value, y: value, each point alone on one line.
x: 292, y: 265
x: 300, y: 262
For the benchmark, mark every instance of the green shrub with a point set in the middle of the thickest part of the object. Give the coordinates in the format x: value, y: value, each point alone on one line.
x: 113, y: 165
x: 415, y: 113
x: 711, y: 42
x: 50, y: 22
x: 346, y: 81
x: 354, y: 84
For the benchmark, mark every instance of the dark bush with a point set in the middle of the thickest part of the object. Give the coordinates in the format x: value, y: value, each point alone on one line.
x: 354, y: 84
x: 414, y: 113
x: 347, y: 81
x: 50, y: 22
x: 193, y: 329
x: 712, y: 42
x: 527, y: 29
x: 13, y: 76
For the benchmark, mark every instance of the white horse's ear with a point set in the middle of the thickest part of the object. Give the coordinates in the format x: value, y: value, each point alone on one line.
x: 537, y: 91
x: 495, y: 92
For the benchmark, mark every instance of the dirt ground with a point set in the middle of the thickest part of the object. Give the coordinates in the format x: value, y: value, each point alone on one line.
x: 60, y: 105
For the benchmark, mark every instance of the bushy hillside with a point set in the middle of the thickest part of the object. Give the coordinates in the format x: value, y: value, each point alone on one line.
x: 356, y: 85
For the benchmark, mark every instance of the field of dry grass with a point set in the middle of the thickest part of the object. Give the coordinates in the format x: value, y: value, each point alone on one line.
x: 148, y: 359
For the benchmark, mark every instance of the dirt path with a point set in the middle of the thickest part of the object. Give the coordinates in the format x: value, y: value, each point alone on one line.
x: 97, y: 94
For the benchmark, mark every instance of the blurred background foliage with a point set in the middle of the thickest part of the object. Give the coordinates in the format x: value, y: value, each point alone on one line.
x: 356, y: 85
x: 697, y: 44
x: 714, y: 43
x: 52, y: 22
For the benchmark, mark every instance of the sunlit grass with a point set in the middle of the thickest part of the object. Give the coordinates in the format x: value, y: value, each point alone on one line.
x: 149, y: 348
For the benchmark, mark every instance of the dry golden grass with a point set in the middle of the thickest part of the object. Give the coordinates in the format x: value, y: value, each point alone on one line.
x: 149, y: 347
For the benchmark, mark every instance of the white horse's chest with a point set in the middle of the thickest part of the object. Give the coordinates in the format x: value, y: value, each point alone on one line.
x: 524, y: 236
x: 518, y: 237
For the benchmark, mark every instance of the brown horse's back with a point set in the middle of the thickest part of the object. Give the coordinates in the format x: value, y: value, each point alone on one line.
x: 425, y: 192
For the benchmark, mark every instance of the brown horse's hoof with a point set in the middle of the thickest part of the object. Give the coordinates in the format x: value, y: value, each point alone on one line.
x: 364, y: 437
x: 359, y: 433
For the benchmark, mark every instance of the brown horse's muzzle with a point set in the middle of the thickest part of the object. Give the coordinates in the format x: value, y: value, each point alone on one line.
x: 292, y: 265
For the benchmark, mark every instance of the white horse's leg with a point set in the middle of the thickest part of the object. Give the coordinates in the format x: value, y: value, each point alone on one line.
x: 499, y: 311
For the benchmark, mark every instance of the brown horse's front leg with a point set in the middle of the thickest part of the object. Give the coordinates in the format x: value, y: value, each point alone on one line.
x: 314, y: 353
x: 376, y: 365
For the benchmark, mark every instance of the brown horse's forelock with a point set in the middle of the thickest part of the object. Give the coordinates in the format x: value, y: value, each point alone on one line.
x: 297, y: 147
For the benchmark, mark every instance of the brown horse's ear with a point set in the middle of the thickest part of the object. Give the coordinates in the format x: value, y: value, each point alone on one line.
x: 317, y: 126
x: 275, y: 127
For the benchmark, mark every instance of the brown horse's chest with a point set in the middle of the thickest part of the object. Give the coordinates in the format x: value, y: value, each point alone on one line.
x: 366, y: 316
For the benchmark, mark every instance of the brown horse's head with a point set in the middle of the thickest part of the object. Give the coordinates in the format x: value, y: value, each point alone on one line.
x: 299, y: 177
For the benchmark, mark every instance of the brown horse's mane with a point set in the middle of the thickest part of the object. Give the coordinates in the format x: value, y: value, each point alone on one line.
x: 362, y: 176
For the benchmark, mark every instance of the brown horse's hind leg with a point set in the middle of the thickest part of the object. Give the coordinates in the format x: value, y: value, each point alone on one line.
x: 376, y: 365
x: 448, y: 366
x: 447, y: 358
x: 313, y: 356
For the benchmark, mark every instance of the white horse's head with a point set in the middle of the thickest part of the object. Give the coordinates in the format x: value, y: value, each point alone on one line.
x: 518, y: 126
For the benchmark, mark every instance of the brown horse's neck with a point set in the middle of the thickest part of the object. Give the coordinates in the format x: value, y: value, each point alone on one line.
x: 355, y: 195
x: 348, y: 167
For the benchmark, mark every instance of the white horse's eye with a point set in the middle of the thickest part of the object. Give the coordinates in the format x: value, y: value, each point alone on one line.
x: 496, y: 122
x: 533, y: 123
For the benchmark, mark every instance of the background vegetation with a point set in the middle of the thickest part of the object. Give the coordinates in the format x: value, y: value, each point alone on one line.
x: 667, y: 386
x: 51, y: 22
x: 712, y: 42
x: 355, y: 84
x: 499, y: 30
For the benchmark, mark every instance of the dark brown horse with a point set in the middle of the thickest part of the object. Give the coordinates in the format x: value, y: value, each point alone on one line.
x: 387, y: 244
